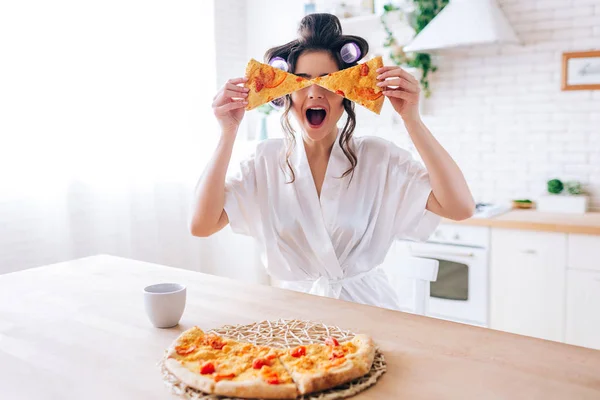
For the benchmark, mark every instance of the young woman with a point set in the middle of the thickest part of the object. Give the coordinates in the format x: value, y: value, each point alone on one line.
x: 325, y: 206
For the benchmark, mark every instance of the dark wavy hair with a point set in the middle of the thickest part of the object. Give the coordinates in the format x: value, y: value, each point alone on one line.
x: 319, y: 32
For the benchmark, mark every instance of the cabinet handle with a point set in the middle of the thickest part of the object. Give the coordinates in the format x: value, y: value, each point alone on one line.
x: 529, y: 251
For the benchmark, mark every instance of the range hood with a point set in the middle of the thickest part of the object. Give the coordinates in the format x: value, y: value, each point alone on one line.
x: 464, y: 23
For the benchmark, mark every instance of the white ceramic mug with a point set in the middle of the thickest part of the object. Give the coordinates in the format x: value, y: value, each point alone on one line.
x: 164, y: 303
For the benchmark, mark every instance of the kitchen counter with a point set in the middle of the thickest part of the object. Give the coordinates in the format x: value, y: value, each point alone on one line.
x: 78, y: 330
x: 588, y: 224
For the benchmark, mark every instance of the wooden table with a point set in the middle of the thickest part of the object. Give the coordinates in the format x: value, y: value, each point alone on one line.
x: 78, y: 330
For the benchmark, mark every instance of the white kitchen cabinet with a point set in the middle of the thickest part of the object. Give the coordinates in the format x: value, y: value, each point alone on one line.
x: 527, y: 284
x: 583, y: 308
x: 584, y: 252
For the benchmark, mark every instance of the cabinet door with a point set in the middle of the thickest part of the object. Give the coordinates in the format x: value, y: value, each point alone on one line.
x: 583, y: 308
x: 584, y: 252
x: 527, y: 287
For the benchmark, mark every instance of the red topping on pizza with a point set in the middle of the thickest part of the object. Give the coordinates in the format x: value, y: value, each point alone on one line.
x: 274, y: 82
x: 340, y: 93
x: 184, y: 350
x: 270, y: 376
x: 214, y: 341
x: 364, y: 70
x: 259, y: 85
x: 337, y: 353
x: 260, y: 362
x: 207, y: 368
x: 336, y: 362
x: 367, y: 93
x: 267, y: 78
x: 220, y: 377
x: 331, y: 341
x: 298, y: 351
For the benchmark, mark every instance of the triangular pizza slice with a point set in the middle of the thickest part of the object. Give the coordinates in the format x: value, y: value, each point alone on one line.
x: 267, y: 83
x: 358, y: 83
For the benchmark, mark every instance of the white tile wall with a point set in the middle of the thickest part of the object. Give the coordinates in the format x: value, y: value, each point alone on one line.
x: 498, y: 110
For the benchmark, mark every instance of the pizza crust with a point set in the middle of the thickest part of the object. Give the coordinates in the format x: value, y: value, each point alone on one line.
x: 191, y: 379
x: 319, y: 381
x: 365, y: 353
x: 256, y: 389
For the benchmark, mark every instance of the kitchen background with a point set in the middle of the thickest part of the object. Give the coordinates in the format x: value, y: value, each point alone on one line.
x: 498, y: 109
x: 107, y: 131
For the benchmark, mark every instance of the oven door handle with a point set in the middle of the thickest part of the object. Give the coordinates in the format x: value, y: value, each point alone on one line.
x: 430, y: 254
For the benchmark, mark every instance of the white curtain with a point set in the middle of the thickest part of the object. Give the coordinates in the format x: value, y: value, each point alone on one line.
x: 105, y: 125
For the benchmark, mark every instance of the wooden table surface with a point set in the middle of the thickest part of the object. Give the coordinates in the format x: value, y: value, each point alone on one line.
x: 78, y: 330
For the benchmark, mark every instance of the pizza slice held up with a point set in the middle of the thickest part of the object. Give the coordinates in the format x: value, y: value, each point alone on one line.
x: 267, y: 83
x: 358, y: 84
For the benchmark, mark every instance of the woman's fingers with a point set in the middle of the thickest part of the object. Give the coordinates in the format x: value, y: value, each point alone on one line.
x: 400, y: 94
x: 231, y: 94
x: 400, y: 83
x: 391, y: 72
x: 232, y: 85
x: 225, y: 97
x: 237, y: 81
x: 234, y: 105
x: 236, y: 88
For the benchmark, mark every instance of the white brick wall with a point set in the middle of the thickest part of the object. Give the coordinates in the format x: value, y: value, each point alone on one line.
x: 502, y: 115
x: 498, y: 110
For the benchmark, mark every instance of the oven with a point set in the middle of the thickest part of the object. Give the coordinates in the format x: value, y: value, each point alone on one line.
x: 461, y: 291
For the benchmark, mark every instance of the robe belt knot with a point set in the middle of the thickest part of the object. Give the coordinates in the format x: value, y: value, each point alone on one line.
x: 327, y: 287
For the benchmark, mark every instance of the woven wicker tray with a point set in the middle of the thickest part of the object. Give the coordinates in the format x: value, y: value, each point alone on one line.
x: 284, y: 333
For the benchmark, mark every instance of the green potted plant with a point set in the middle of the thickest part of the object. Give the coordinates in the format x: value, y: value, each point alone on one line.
x: 563, y: 197
x: 418, y: 17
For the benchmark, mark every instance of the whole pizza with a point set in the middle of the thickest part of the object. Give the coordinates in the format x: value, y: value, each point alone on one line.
x: 219, y: 365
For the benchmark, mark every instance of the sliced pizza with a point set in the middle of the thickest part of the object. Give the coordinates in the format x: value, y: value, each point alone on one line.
x: 226, y: 367
x: 358, y: 84
x: 222, y: 366
x: 318, y: 367
x: 192, y: 358
x: 267, y: 83
x: 262, y: 377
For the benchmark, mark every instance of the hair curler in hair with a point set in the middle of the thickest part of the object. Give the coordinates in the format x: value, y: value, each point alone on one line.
x: 280, y: 63
x: 350, y: 52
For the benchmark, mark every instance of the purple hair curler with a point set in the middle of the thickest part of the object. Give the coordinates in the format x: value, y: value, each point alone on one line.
x: 278, y: 103
x: 280, y: 63
x: 350, y: 53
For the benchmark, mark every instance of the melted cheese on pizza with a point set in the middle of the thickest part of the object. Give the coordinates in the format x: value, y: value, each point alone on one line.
x: 358, y: 83
x: 315, y: 357
x: 267, y: 83
x: 226, y: 359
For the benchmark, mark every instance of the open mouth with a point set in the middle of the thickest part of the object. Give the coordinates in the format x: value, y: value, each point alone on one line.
x: 315, y: 116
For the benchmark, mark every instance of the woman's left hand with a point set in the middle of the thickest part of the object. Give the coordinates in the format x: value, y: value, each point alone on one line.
x: 402, y: 89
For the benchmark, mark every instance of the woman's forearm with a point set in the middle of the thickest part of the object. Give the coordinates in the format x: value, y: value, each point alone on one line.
x: 207, y: 215
x: 451, y: 195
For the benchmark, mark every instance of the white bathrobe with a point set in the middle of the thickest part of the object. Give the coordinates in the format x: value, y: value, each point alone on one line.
x: 331, y: 246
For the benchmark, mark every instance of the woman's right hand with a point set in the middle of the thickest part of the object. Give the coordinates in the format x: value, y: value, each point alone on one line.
x: 229, y: 103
